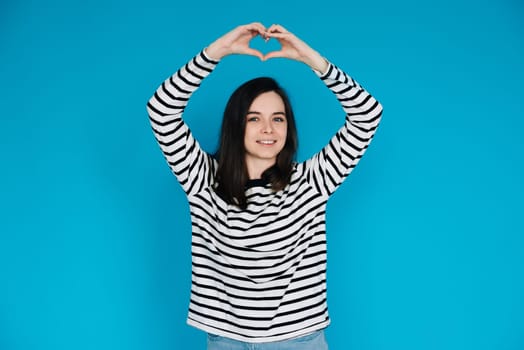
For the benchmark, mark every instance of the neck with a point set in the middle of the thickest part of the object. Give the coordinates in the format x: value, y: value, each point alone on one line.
x: 256, y: 169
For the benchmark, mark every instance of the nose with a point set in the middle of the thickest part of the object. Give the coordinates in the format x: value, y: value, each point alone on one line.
x: 267, y: 128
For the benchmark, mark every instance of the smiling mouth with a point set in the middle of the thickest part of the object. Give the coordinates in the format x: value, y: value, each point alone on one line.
x: 266, y: 142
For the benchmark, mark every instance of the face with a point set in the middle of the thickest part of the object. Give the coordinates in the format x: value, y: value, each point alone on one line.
x: 265, y: 133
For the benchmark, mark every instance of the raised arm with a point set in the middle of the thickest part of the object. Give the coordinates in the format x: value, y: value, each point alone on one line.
x: 193, y: 167
x: 328, y: 168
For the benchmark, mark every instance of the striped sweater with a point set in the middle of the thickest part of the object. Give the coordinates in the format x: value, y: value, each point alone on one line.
x: 259, y: 274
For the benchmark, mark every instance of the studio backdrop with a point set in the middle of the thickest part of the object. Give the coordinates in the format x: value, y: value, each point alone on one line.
x: 425, y: 237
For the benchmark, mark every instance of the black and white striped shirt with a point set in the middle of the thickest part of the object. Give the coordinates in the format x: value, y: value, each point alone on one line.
x: 259, y: 274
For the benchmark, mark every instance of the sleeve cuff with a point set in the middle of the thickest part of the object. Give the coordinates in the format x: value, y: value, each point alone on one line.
x: 327, y: 73
x: 209, y: 58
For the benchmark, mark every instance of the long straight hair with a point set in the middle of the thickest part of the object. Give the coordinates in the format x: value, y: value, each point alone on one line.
x: 232, y: 175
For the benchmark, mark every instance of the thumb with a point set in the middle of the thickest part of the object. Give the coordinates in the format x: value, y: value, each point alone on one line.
x: 274, y: 54
x: 253, y: 52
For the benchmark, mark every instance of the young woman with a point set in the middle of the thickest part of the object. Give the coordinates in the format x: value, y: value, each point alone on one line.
x: 258, y: 217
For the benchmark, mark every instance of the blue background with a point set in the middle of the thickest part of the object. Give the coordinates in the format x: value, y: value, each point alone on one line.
x: 426, y: 247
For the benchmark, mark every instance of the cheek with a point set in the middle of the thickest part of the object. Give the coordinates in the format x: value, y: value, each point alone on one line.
x: 283, y: 130
x: 247, y: 131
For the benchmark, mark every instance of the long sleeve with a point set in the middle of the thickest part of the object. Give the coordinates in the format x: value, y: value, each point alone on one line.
x: 327, y: 169
x: 259, y: 275
x: 193, y: 167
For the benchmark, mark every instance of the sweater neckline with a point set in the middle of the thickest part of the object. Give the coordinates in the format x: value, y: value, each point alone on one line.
x: 256, y: 183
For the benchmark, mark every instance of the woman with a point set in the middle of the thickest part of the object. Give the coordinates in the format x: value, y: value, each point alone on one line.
x: 258, y: 217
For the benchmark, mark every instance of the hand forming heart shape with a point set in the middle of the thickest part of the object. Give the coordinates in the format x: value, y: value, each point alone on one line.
x: 239, y: 39
x: 290, y: 46
x: 264, y: 45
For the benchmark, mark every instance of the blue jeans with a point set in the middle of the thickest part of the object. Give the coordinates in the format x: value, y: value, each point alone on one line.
x: 313, y: 341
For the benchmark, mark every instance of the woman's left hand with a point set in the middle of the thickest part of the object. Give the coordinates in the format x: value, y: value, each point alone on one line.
x: 294, y: 48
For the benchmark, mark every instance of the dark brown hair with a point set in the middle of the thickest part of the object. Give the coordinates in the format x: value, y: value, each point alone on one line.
x: 232, y: 176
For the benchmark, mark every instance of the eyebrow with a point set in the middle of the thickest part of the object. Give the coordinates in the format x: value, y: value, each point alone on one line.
x: 275, y: 113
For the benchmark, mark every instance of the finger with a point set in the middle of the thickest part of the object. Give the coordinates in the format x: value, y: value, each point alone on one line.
x: 278, y: 35
x: 274, y: 54
x: 253, y: 52
x: 273, y: 29
x: 256, y: 27
x: 288, y: 39
x: 282, y: 37
x: 277, y: 28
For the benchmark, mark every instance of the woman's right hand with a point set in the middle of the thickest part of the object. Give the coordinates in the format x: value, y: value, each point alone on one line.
x: 237, y: 42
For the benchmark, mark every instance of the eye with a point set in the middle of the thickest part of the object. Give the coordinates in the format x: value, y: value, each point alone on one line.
x: 279, y: 119
x: 252, y: 119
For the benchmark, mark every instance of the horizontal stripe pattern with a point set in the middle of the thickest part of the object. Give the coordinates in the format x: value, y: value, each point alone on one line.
x: 259, y: 274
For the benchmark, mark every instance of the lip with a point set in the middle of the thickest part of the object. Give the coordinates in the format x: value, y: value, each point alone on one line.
x: 266, y: 142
